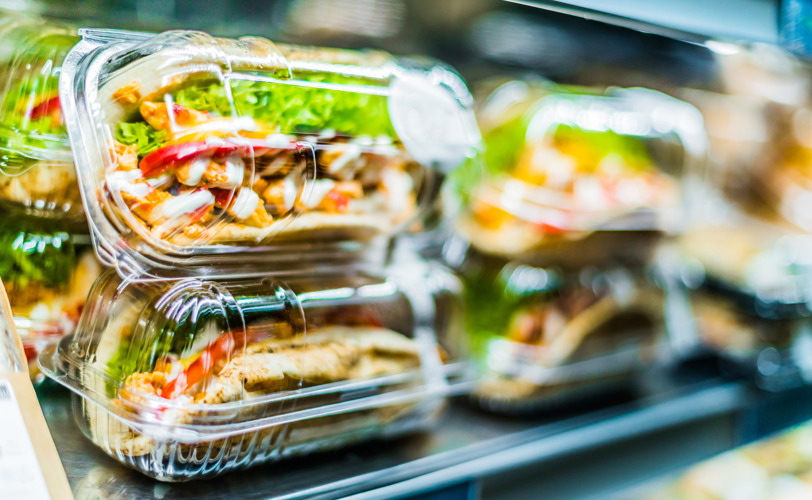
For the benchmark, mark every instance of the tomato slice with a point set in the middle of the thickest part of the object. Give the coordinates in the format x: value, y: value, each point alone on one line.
x: 340, y: 201
x: 221, y: 196
x: 45, y: 108
x: 163, y: 158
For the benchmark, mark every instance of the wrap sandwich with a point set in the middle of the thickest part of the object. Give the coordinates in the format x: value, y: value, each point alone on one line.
x: 204, y: 157
x: 552, y: 180
x: 47, y: 274
x: 548, y: 336
x: 36, y: 166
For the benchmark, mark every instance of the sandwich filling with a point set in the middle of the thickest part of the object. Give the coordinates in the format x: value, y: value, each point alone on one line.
x: 226, y: 163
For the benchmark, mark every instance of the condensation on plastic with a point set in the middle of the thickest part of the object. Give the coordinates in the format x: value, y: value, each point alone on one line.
x: 47, y: 274
x: 645, y: 151
x: 239, y: 191
x: 521, y: 369
x: 355, y: 355
x: 37, y: 174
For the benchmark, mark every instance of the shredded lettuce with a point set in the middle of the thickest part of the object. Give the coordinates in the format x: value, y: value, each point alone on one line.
x: 25, y: 96
x: 290, y: 108
x: 504, y: 145
x: 145, y: 138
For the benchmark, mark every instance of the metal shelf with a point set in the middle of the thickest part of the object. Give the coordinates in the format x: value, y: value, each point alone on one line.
x: 468, y: 445
x: 692, y: 20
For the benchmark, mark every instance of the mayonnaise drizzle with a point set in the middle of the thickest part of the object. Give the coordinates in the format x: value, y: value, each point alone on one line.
x: 125, y: 181
x: 244, y: 204
x: 318, y: 191
x: 184, y: 204
x: 196, y: 170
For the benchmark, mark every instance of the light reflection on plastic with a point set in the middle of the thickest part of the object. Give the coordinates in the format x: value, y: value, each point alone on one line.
x: 722, y: 48
x: 336, y: 293
x: 385, y: 289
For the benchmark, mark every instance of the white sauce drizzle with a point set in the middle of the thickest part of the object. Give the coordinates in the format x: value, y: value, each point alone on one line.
x: 196, y: 170
x: 244, y: 204
x: 319, y: 190
x: 125, y: 181
x: 184, y: 204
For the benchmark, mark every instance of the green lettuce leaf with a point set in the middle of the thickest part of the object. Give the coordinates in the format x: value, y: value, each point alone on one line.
x: 145, y: 138
x: 293, y: 108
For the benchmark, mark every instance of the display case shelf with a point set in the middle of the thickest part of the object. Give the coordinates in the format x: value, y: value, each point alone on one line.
x: 468, y: 446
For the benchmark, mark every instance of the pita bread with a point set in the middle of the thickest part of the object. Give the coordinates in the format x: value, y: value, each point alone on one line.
x: 313, y: 226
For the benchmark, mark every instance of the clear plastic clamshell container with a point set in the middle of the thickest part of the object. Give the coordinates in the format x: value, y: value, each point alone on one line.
x: 47, y: 273
x: 561, y: 167
x: 37, y: 174
x: 544, y: 337
x: 191, y: 378
x: 196, y: 151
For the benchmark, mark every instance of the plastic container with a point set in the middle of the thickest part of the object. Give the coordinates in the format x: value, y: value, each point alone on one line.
x: 741, y: 290
x: 561, y: 167
x: 544, y: 337
x: 201, y: 155
x: 47, y: 274
x: 778, y: 467
x: 37, y: 175
x: 191, y: 378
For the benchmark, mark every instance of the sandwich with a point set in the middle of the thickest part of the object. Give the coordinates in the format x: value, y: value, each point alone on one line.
x: 47, y: 278
x: 36, y: 171
x: 558, y: 340
x: 182, y: 370
x: 203, y: 159
x: 548, y: 185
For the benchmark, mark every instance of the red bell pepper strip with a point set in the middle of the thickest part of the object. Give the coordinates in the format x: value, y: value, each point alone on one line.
x: 161, y: 159
x: 216, y: 351
x: 45, y: 108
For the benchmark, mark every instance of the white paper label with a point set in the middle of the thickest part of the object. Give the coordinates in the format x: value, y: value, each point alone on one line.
x: 430, y: 122
x: 20, y: 474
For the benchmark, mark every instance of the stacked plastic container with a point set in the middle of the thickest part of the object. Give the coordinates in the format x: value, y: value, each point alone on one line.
x: 244, y: 193
x: 556, y: 237
x: 742, y: 273
x: 46, y: 262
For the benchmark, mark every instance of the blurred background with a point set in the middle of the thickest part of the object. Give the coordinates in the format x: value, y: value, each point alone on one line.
x: 736, y: 279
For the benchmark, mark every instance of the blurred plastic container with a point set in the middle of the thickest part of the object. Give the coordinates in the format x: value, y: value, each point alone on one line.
x: 776, y: 468
x: 741, y: 289
x: 191, y: 378
x: 562, y: 167
x: 37, y: 174
x: 197, y: 154
x: 47, y: 274
x: 544, y: 337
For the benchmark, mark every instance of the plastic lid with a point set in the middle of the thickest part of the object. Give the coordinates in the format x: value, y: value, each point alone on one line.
x: 193, y: 148
x: 36, y: 166
x: 572, y: 163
